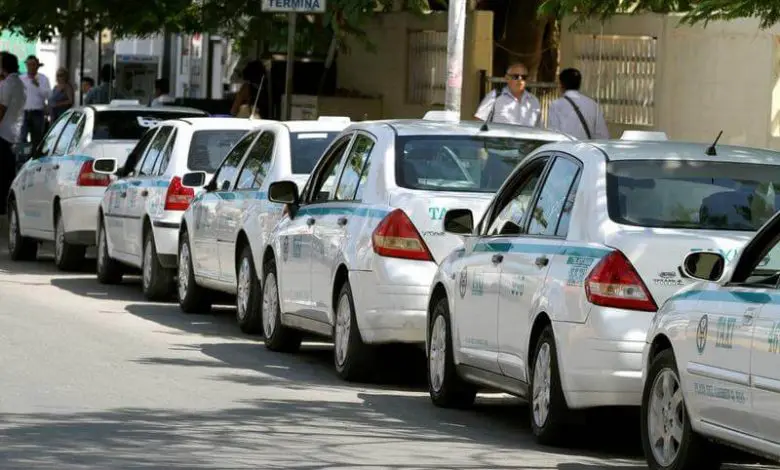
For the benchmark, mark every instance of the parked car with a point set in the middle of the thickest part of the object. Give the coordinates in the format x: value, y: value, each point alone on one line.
x: 139, y: 217
x: 711, y: 372
x: 355, y: 253
x: 55, y: 194
x: 554, y: 290
x: 225, y: 228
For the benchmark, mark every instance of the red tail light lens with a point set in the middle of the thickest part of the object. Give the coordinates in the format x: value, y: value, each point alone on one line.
x: 396, y: 237
x: 88, y: 177
x: 615, y: 283
x: 178, y: 197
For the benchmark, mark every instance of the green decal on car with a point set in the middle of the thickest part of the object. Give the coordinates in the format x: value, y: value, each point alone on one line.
x: 477, y: 285
x: 774, y: 338
x: 578, y: 269
x: 437, y: 213
x: 711, y: 391
x: 725, y: 328
x: 518, y: 286
x: 701, y: 334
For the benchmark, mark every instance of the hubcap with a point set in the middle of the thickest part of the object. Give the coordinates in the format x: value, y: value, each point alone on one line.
x: 244, y: 288
x: 59, y: 242
x: 665, y: 417
x: 270, y: 304
x: 438, y: 353
x: 148, y: 263
x: 343, y: 326
x: 184, y: 270
x: 12, y: 229
x: 540, y: 399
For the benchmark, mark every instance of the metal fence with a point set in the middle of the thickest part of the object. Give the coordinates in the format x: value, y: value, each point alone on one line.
x: 427, y: 64
x: 547, y: 92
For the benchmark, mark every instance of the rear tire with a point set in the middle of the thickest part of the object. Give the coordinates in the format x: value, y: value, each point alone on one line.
x: 19, y: 248
x: 192, y: 297
x: 549, y: 413
x: 109, y: 271
x: 278, y: 337
x: 156, y: 280
x: 352, y: 357
x: 67, y: 257
x: 446, y: 388
x: 249, y: 297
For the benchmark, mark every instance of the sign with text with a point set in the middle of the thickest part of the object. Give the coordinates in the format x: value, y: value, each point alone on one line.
x: 294, y: 6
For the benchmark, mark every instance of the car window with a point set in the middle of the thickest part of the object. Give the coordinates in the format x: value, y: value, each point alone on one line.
x: 209, y: 147
x: 46, y: 147
x: 134, y: 158
x: 306, y: 148
x: 77, y: 135
x: 229, y: 167
x: 131, y: 124
x: 325, y: 181
x: 351, y: 176
x: 553, y: 198
x: 257, y: 163
x: 154, y: 151
x: 513, y: 204
x: 165, y: 156
x: 68, y: 131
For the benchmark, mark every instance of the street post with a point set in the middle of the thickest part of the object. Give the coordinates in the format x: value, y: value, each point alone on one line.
x: 456, y: 34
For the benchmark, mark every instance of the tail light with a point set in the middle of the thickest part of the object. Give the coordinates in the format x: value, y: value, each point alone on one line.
x: 615, y: 283
x: 88, y: 177
x: 396, y: 237
x: 178, y: 197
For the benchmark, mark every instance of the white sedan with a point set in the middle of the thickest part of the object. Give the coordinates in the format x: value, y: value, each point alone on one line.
x: 553, y: 293
x: 56, y: 193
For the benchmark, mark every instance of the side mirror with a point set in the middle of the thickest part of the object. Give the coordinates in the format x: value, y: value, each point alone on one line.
x: 283, y: 192
x: 704, y: 265
x: 459, y: 222
x: 194, y: 179
x: 105, y: 166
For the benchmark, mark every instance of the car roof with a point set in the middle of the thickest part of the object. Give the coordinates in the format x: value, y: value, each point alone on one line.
x: 135, y: 107
x: 198, y: 123
x: 405, y: 127
x: 691, y: 151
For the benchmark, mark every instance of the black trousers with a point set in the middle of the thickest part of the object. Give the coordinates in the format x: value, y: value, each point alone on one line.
x: 7, y: 172
x: 34, y: 124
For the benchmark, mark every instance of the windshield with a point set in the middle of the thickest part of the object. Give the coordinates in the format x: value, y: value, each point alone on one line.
x: 692, y: 194
x: 458, y: 163
x: 306, y: 149
x: 131, y: 125
x: 209, y: 148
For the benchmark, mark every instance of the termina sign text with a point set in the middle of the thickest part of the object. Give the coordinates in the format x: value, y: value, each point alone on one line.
x: 294, y: 6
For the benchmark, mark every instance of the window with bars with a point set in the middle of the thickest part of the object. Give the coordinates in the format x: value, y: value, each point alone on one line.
x: 427, y: 67
x: 619, y: 72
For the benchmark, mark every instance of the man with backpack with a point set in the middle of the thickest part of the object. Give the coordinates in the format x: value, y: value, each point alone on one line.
x: 574, y: 113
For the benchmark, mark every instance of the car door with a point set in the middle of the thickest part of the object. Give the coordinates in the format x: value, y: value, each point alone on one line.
x: 480, y: 276
x: 527, y: 263
x: 231, y: 210
x: 59, y: 171
x: 34, y: 196
x: 332, y: 227
x: 296, y: 234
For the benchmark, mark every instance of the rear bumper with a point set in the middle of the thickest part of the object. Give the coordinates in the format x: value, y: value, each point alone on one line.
x: 79, y: 215
x: 166, y: 237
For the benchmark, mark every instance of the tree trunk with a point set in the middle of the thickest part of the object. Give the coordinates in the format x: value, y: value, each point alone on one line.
x: 548, y: 67
x: 520, y: 36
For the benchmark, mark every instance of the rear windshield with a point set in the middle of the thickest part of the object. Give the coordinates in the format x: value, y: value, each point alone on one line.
x: 209, y: 148
x: 306, y: 148
x: 692, y: 194
x: 131, y: 125
x: 458, y: 163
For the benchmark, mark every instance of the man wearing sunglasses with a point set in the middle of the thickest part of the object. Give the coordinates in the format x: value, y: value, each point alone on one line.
x: 513, y: 104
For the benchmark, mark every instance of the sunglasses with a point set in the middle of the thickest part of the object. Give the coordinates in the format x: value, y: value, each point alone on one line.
x: 517, y: 76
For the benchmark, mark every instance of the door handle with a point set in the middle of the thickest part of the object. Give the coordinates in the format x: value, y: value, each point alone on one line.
x: 342, y: 221
x: 39, y: 168
x: 542, y: 261
x: 497, y: 259
x: 747, y: 317
x: 56, y: 167
x: 310, y: 222
x: 123, y: 194
x: 144, y: 193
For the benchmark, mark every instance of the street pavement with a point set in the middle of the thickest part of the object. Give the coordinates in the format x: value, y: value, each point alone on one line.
x: 94, y: 377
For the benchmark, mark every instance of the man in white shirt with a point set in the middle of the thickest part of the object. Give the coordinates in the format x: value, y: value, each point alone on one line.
x: 513, y: 104
x: 35, y: 109
x: 574, y: 113
x: 161, y: 96
x: 12, y: 99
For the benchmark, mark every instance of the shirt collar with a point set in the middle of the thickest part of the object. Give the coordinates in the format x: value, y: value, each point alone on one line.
x: 572, y: 93
x: 505, y: 91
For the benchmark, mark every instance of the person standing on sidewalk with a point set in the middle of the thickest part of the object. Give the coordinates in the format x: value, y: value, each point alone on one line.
x: 513, y: 104
x: 35, y: 109
x: 574, y: 113
x: 12, y: 102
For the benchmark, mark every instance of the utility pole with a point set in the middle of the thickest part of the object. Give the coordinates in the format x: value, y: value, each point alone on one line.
x: 456, y: 35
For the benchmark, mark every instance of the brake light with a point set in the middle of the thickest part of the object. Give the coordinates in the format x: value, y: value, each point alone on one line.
x: 615, y: 283
x: 178, y: 197
x: 88, y: 177
x: 396, y: 237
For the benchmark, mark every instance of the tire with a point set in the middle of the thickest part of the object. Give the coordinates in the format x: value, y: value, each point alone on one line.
x: 109, y: 270
x: 192, y: 297
x: 249, y: 296
x: 694, y: 451
x: 446, y: 388
x: 19, y: 248
x: 278, y: 337
x: 157, y: 281
x: 352, y: 358
x: 548, y: 428
x: 67, y: 257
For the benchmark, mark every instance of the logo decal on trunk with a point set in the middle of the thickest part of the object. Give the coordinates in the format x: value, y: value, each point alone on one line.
x: 701, y: 334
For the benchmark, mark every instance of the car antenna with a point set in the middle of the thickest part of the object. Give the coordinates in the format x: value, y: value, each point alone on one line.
x: 711, y: 149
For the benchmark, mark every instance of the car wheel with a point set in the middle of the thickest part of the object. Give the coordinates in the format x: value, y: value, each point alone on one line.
x: 155, y: 279
x: 445, y: 386
x: 668, y: 441
x: 278, y: 337
x: 109, y: 271
x: 549, y: 413
x: 192, y: 297
x: 67, y: 257
x: 351, y: 356
x: 19, y: 248
x: 248, y: 295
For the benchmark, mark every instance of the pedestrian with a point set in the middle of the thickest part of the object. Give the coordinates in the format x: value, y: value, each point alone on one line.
x: 252, y: 94
x: 106, y: 91
x: 12, y: 102
x: 161, y: 93
x: 574, y: 113
x: 36, y: 108
x: 62, y: 96
x: 87, y: 83
x: 513, y: 104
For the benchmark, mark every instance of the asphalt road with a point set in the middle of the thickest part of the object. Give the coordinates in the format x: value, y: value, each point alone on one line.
x: 94, y: 377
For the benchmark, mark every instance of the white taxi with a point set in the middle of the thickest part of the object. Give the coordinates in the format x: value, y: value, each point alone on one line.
x: 56, y: 193
x: 139, y: 217
x: 355, y: 254
x: 553, y: 292
x: 712, y: 359
x: 224, y: 230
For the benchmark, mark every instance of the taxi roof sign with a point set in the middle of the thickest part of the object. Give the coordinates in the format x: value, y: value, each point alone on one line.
x: 342, y: 119
x: 448, y: 116
x: 124, y: 103
x: 644, y: 135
